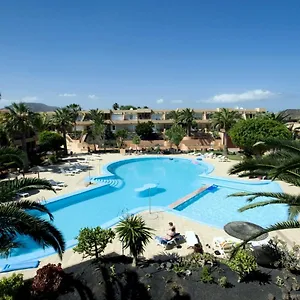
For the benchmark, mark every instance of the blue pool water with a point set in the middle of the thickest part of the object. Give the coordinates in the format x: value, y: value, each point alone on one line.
x: 175, y: 179
x: 216, y: 208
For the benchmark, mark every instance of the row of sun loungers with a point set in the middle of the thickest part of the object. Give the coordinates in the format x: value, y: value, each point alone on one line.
x: 211, y: 155
x: 73, y: 169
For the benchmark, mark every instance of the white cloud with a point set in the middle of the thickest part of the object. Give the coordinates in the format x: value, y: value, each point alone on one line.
x: 29, y: 99
x: 253, y: 95
x: 93, y: 97
x: 176, y: 101
x: 7, y: 102
x: 160, y: 101
x: 67, y: 95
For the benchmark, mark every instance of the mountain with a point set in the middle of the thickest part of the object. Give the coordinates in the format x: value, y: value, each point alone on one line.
x: 40, y: 107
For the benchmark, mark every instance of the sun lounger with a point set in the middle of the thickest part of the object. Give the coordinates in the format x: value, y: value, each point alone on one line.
x: 23, y: 195
x: 191, y: 239
x: 75, y: 170
x: 57, y: 188
x: 80, y: 166
x: 225, y: 245
x: 58, y: 183
x: 260, y: 243
x: 165, y: 243
x: 66, y: 172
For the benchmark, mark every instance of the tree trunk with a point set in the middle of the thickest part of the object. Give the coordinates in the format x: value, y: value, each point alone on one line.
x: 134, y: 261
x: 188, y: 130
x: 65, y: 142
x: 225, y: 142
x: 24, y: 148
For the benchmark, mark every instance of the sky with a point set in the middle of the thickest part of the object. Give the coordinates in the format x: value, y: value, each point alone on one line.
x: 161, y: 53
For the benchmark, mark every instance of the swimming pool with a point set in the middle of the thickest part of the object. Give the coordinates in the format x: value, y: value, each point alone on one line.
x: 175, y: 178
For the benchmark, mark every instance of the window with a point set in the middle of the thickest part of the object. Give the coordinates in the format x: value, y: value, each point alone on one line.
x: 113, y: 127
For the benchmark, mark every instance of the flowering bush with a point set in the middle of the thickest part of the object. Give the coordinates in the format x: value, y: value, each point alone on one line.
x: 51, y: 281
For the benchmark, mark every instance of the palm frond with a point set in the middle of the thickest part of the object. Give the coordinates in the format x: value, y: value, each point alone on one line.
x: 9, y: 188
x: 259, y: 204
x: 10, y: 155
x: 16, y: 221
x: 30, y: 205
x: 284, y: 197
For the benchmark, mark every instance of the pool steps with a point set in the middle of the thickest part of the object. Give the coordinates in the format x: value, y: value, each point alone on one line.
x: 191, y: 195
x: 116, y: 183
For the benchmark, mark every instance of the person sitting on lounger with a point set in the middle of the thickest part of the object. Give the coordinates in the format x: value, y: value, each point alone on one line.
x: 171, y: 233
x: 169, y: 236
x: 171, y: 226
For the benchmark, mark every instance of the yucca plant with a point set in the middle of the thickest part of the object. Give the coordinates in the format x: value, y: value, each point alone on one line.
x: 134, y: 234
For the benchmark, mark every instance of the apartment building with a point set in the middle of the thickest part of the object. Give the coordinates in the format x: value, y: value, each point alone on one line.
x: 128, y: 119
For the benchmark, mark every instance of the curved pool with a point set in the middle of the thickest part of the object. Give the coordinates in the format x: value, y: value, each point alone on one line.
x: 173, y: 178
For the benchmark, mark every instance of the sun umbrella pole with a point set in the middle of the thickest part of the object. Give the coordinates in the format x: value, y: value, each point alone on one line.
x: 149, y: 201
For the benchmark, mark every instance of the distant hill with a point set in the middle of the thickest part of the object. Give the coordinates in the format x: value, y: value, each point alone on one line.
x: 40, y: 107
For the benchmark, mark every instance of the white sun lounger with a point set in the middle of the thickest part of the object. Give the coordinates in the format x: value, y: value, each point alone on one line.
x: 191, y: 239
x: 66, y: 172
x: 57, y: 183
x: 23, y: 195
x: 57, y: 188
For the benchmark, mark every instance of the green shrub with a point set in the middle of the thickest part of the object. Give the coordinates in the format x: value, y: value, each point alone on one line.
x: 243, y: 263
x: 53, y: 159
x: 223, y: 282
x: 93, y: 241
x: 205, y: 275
x: 10, y: 286
x: 284, y: 257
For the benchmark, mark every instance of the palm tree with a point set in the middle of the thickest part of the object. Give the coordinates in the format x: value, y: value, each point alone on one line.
x: 116, y: 106
x: 74, y: 111
x: 174, y: 115
x: 15, y: 217
x: 224, y: 120
x: 121, y: 135
x: 186, y: 119
x: 19, y: 120
x: 42, y: 122
x: 62, y: 120
x: 281, y: 117
x: 281, y: 162
x: 134, y: 234
x: 97, y: 129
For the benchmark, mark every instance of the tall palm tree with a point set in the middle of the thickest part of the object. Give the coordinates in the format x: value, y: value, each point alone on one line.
x: 62, y: 120
x: 42, y: 122
x: 74, y: 109
x: 97, y: 130
x: 15, y: 217
x: 224, y: 120
x: 134, y: 234
x: 187, y: 119
x: 282, y: 162
x: 19, y: 120
x: 281, y: 117
x: 174, y: 115
x: 115, y: 106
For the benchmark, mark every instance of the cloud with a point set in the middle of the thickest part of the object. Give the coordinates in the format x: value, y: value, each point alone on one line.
x: 7, y: 102
x: 29, y: 99
x: 67, y: 95
x: 176, y: 101
x: 93, y: 97
x: 253, y: 95
x: 160, y: 101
